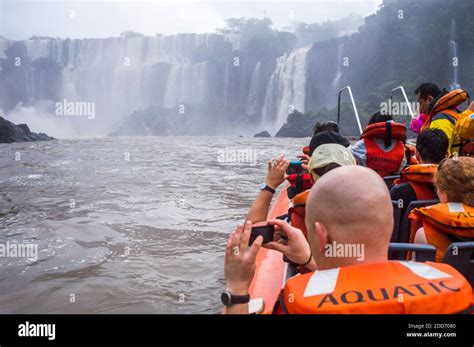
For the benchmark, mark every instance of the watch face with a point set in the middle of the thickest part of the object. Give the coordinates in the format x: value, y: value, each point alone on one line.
x: 226, y: 298
x: 262, y: 186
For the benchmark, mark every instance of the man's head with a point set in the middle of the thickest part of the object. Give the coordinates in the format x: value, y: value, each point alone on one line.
x: 425, y: 94
x: 325, y: 137
x: 378, y: 117
x: 431, y: 146
x: 349, y: 206
x: 325, y: 126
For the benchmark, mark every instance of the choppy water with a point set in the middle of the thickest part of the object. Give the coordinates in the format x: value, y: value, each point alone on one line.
x: 144, y: 235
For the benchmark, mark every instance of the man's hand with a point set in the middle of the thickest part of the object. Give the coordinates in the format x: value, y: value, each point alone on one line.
x: 290, y: 241
x: 304, y: 161
x: 276, y: 172
x: 240, y: 259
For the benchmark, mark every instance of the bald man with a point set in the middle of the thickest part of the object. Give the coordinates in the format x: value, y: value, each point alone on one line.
x: 349, y: 205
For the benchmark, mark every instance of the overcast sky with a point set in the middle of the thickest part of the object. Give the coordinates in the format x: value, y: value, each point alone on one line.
x: 20, y: 19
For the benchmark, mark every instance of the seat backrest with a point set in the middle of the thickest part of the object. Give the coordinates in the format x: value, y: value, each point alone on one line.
x: 403, y: 193
x: 404, y: 233
x: 397, y: 216
x: 422, y: 252
x: 389, y: 180
x: 460, y: 255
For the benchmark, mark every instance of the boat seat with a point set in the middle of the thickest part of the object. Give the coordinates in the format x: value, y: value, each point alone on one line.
x: 460, y: 255
x: 397, y: 216
x: 422, y: 252
x: 404, y: 232
x: 397, y: 213
x: 389, y: 180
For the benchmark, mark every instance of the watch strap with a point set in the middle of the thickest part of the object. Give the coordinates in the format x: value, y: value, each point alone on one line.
x: 268, y: 189
x: 240, y: 299
x: 228, y: 299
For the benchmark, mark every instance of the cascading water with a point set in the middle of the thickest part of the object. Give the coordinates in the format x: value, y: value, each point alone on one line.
x: 253, y: 96
x: 286, y: 90
x: 186, y: 84
x: 123, y: 74
x: 336, y: 83
x: 453, y: 45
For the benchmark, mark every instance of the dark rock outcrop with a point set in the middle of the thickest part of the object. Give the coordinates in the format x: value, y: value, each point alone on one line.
x: 263, y: 134
x: 10, y: 132
x: 297, y: 125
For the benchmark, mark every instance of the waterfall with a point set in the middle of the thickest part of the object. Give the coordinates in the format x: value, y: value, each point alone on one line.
x: 235, y: 40
x: 187, y: 84
x: 253, y: 98
x: 336, y: 83
x: 123, y: 74
x: 286, y: 89
x: 453, y: 45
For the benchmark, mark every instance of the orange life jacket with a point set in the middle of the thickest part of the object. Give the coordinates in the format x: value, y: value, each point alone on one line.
x: 421, y: 178
x: 384, y: 163
x: 441, y: 220
x: 447, y: 104
x: 297, y: 212
x: 391, y: 287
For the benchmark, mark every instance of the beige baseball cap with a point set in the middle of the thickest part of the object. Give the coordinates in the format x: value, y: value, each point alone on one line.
x: 330, y: 153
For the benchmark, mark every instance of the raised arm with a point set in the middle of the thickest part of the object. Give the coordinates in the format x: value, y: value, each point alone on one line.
x: 275, y: 176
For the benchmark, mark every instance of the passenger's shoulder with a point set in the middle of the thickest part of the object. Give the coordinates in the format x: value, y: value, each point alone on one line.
x: 357, y: 145
x: 443, y: 116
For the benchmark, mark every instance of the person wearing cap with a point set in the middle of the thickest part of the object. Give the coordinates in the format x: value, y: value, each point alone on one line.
x: 325, y: 158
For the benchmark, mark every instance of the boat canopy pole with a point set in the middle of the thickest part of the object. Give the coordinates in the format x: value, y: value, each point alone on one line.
x: 348, y: 88
x: 413, y: 116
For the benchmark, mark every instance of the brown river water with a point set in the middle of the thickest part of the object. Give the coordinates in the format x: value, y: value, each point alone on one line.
x: 125, y: 225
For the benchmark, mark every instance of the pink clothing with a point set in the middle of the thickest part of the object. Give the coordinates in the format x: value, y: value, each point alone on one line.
x: 417, y: 124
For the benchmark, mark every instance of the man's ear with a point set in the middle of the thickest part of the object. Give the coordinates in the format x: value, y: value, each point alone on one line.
x: 322, y: 235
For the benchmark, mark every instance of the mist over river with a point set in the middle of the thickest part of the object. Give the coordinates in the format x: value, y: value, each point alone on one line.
x: 126, y: 224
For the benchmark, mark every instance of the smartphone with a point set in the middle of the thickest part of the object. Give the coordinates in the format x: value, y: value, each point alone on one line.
x: 267, y: 231
x: 294, y: 168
